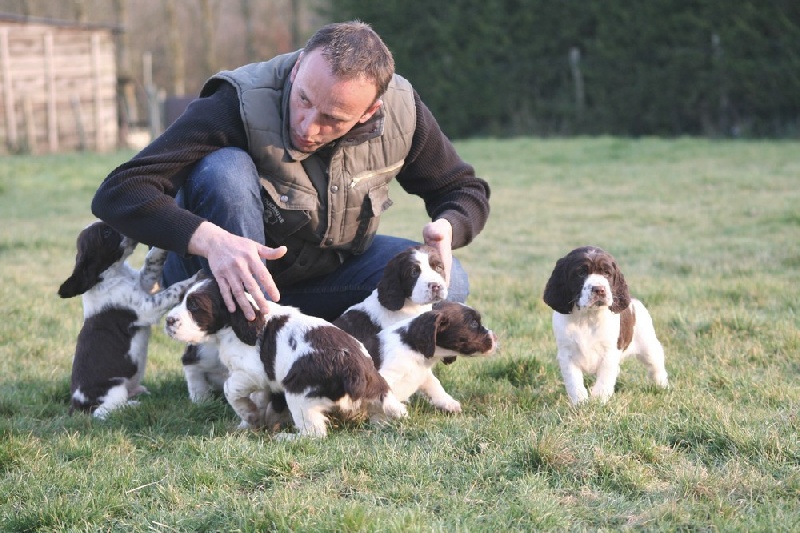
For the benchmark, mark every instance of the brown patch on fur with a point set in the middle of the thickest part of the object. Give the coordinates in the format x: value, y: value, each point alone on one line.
x: 627, y: 321
x: 269, y: 344
x: 335, y: 367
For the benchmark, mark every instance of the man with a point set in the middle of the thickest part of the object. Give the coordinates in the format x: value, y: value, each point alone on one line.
x: 289, y: 161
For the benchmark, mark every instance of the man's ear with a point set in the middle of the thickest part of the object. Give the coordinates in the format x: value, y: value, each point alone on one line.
x: 371, y: 111
x: 293, y: 74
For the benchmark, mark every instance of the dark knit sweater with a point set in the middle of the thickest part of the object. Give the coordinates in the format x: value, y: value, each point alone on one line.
x: 137, y: 198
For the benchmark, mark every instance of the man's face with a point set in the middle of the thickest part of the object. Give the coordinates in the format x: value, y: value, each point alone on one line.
x: 322, y: 107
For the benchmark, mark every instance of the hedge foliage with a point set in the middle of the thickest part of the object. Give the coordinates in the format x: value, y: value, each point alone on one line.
x: 621, y: 67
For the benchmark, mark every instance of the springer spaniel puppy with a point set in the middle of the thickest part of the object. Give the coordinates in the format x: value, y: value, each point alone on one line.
x: 119, y: 308
x: 597, y: 324
x: 412, y: 282
x: 408, y: 351
x: 316, y: 366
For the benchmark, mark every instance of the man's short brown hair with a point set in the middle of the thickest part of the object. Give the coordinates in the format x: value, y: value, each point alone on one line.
x: 353, y: 49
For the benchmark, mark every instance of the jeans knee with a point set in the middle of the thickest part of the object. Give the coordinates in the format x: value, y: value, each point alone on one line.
x: 228, y: 174
x: 458, y: 291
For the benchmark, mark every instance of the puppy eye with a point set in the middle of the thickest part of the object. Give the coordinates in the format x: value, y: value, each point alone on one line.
x: 415, y: 270
x: 107, y: 233
x: 475, y: 324
x: 438, y: 267
x: 191, y: 305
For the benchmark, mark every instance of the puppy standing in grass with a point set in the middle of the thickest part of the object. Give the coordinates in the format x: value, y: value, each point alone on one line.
x: 408, y: 351
x: 315, y: 365
x: 119, y: 310
x: 597, y: 324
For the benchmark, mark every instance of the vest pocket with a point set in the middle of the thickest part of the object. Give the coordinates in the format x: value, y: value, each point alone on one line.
x: 279, y: 223
x: 376, y: 201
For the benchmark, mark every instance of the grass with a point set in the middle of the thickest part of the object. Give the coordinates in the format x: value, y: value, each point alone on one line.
x: 707, y: 233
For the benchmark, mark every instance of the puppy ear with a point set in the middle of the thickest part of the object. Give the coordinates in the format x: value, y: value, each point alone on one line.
x: 390, y: 290
x: 619, y: 289
x: 84, y: 277
x: 556, y: 293
x: 246, y: 330
x: 422, y: 332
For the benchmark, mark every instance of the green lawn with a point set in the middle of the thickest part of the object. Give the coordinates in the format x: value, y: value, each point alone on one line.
x: 708, y: 235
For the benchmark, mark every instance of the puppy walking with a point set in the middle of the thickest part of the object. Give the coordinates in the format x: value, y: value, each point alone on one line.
x: 597, y: 324
x: 118, y: 311
x: 409, y: 350
x: 316, y: 366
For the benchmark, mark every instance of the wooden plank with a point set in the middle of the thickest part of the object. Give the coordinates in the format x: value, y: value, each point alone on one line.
x: 8, y: 91
x: 52, y: 117
x: 98, y: 124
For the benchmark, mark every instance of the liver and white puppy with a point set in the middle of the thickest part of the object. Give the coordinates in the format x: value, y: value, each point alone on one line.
x: 409, y: 350
x: 597, y: 324
x: 412, y: 282
x: 119, y: 310
x: 317, y: 366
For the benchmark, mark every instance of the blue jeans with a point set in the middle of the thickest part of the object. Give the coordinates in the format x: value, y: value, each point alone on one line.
x: 224, y: 189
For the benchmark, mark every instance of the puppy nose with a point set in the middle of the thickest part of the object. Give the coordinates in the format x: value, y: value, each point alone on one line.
x: 171, y: 320
x: 436, y: 288
x: 599, y: 290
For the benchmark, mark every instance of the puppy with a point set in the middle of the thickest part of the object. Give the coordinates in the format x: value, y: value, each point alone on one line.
x: 597, y: 324
x: 316, y: 366
x: 410, y: 349
x: 412, y: 281
x: 118, y: 311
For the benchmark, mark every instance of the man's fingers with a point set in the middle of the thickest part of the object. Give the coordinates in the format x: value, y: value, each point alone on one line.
x: 225, y: 291
x: 271, y: 253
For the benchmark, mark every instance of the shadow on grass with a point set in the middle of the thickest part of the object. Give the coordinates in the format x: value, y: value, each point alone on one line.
x: 41, y: 408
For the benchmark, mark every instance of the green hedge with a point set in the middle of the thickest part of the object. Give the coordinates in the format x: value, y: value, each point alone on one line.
x: 640, y: 67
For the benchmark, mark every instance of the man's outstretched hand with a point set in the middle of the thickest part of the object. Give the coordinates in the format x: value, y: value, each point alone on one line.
x: 439, y: 234
x: 236, y: 263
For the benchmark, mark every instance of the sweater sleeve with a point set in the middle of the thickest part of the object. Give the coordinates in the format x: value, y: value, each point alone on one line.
x: 138, y: 197
x: 447, y: 185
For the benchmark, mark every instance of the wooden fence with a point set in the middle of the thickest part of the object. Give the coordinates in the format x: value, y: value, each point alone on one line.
x: 58, y: 87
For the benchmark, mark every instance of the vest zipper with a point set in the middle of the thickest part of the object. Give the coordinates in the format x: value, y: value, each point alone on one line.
x: 358, y: 179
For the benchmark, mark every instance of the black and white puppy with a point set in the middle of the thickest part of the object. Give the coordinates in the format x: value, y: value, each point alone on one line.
x: 411, y: 283
x: 597, y: 324
x: 119, y: 309
x: 316, y: 366
x: 409, y: 350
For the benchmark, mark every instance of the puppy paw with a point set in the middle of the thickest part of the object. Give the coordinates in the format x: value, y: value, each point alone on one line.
x: 449, y: 405
x: 578, y: 397
x: 661, y: 380
x: 394, y: 408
